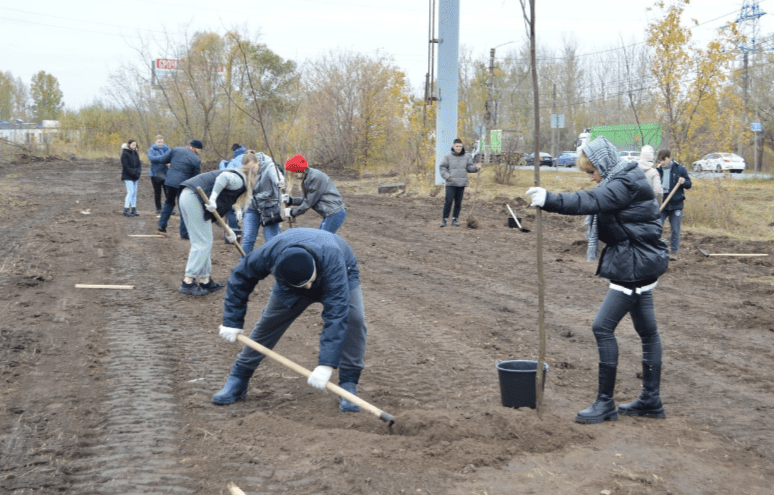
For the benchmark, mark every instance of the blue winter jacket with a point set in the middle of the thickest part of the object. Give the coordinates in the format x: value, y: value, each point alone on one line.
x: 235, y: 162
x: 629, y: 224
x: 183, y: 164
x: 156, y: 166
x: 337, y: 274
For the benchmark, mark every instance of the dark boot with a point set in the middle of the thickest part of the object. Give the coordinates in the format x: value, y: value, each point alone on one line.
x: 134, y: 212
x: 455, y: 223
x: 348, y: 381
x: 443, y: 222
x: 649, y: 403
x: 126, y: 212
x: 604, y: 407
x: 235, y: 388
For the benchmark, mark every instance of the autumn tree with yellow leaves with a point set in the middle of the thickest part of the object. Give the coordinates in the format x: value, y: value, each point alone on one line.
x: 698, y: 107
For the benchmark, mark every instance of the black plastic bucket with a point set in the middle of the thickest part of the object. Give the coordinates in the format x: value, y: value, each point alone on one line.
x: 512, y: 224
x: 517, y: 382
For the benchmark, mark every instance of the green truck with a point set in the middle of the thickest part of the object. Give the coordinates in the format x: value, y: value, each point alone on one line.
x: 624, y: 137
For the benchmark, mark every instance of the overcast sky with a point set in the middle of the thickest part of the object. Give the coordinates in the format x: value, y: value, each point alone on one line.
x: 81, y: 42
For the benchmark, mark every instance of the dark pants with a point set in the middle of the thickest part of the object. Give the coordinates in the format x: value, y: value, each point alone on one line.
x: 613, y: 309
x: 169, y: 206
x: 158, y: 186
x: 453, y: 194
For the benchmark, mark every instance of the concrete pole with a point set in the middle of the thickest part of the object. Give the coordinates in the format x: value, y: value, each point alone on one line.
x: 489, y: 108
x: 448, y: 70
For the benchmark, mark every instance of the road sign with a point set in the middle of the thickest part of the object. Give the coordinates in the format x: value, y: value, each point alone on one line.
x: 756, y: 127
x: 557, y: 121
x: 479, y: 129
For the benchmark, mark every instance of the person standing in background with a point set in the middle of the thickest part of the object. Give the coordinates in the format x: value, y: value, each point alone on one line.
x: 673, y: 175
x: 157, y: 170
x: 646, y: 164
x: 184, y: 163
x: 454, y: 170
x: 131, y: 170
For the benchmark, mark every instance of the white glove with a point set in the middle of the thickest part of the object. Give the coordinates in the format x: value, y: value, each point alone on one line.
x: 285, y: 198
x: 230, y: 236
x: 287, y: 213
x: 211, y: 205
x: 229, y: 333
x: 538, y: 196
x: 238, y: 215
x: 320, y: 377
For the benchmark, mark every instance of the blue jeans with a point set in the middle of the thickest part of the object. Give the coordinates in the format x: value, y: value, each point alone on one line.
x: 276, y: 318
x: 613, y: 309
x: 333, y: 222
x: 131, y: 193
x: 675, y: 222
x: 251, y: 223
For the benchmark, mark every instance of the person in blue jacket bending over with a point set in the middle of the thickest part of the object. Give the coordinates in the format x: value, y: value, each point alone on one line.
x: 309, y: 266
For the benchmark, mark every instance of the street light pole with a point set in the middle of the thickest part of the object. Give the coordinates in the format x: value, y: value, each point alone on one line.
x: 489, y: 106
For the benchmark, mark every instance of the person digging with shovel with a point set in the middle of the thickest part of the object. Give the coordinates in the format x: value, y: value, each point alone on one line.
x: 634, y: 257
x: 309, y: 266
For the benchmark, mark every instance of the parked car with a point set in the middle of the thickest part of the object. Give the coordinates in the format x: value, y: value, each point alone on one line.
x: 720, y: 162
x: 630, y: 156
x: 566, y: 159
x: 545, y: 159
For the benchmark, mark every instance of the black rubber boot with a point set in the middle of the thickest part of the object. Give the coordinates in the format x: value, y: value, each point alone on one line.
x: 649, y: 403
x: 126, y: 212
x: 235, y: 388
x: 134, y: 212
x: 604, y: 407
x: 348, y: 381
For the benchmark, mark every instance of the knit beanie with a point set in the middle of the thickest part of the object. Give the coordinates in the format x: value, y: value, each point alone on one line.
x: 296, y: 164
x: 295, y: 267
x: 195, y: 143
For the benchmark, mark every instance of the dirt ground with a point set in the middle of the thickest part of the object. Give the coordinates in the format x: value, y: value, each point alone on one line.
x: 108, y: 391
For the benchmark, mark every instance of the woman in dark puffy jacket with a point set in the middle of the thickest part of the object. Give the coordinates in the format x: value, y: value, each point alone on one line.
x: 131, y: 169
x: 634, y: 257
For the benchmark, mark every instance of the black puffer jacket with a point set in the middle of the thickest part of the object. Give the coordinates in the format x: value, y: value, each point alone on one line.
x: 629, y: 224
x: 131, y: 167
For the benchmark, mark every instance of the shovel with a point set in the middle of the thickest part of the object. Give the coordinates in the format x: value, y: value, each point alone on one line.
x: 387, y: 418
x: 705, y: 253
x: 672, y: 193
x: 516, y: 219
x: 220, y: 220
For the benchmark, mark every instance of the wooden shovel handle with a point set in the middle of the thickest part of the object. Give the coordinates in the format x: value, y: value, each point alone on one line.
x: 305, y: 372
x: 515, y: 218
x: 220, y: 220
x: 672, y: 193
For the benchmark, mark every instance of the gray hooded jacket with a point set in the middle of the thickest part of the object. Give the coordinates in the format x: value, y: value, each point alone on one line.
x: 320, y: 194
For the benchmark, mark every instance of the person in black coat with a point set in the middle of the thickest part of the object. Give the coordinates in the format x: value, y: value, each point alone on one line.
x: 131, y: 169
x: 673, y: 175
x: 184, y: 163
x: 634, y: 257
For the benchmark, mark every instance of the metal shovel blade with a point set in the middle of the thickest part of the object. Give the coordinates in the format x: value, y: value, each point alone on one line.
x: 705, y: 253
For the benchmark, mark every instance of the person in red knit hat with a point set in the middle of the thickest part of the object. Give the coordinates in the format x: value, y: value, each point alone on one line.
x: 319, y: 194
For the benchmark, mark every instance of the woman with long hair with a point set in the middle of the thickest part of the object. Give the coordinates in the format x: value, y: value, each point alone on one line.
x: 225, y: 189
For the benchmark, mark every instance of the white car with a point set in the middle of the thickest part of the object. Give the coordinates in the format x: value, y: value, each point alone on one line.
x: 720, y: 162
x: 630, y: 156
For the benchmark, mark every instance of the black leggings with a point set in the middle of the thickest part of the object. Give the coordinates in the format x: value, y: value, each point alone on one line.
x: 453, y: 194
x: 613, y: 309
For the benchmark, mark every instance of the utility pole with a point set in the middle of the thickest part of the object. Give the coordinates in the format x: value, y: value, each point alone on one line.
x: 553, y: 124
x: 486, y: 138
x: 448, y: 72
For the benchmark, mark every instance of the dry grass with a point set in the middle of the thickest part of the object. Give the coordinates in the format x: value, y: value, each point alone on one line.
x: 723, y: 207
